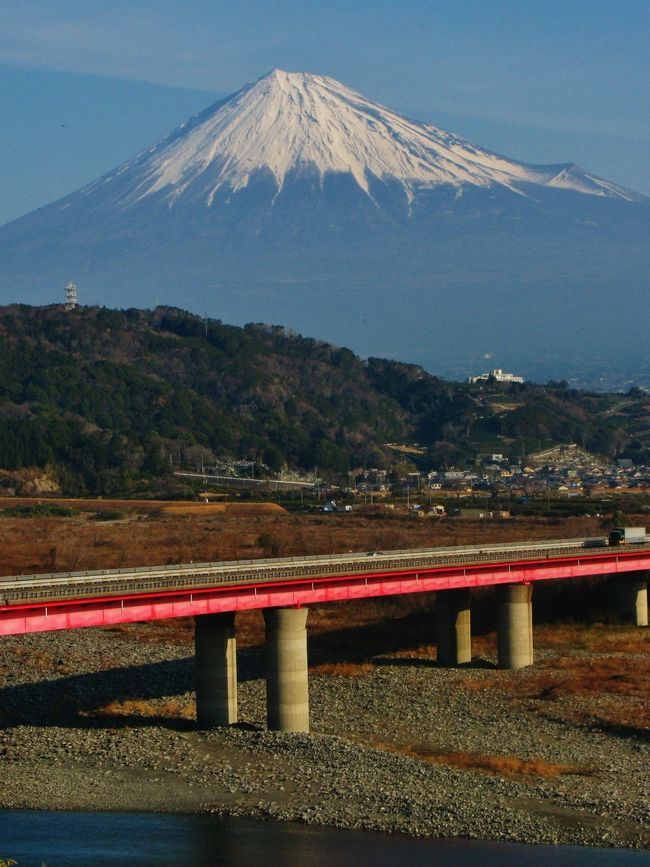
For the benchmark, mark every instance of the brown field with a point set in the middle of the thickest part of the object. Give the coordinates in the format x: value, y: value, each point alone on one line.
x: 242, y: 509
x: 149, y: 507
x: 149, y: 532
x: 505, y: 766
x: 129, y: 711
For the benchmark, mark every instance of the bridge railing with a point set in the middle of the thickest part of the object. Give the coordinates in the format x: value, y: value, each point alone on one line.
x: 16, y: 590
x: 309, y: 558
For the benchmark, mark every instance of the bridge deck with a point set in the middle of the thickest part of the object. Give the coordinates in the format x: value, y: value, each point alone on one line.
x: 69, y: 600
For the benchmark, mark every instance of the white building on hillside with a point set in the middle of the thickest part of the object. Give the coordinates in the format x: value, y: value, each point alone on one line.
x: 498, y: 375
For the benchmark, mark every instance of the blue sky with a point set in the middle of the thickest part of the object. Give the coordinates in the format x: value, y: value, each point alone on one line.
x: 86, y: 84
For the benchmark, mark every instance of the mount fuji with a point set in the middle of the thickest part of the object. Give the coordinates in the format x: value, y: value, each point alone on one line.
x: 298, y: 201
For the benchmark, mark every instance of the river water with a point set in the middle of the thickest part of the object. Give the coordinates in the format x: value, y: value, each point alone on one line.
x: 89, y: 839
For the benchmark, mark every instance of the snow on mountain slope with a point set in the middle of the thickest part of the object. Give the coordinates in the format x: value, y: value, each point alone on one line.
x: 286, y: 122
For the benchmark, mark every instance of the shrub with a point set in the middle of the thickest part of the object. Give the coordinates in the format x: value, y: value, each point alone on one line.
x: 44, y: 510
x: 107, y: 515
x: 270, y: 543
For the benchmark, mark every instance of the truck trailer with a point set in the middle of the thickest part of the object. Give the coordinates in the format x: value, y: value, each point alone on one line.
x: 627, y: 536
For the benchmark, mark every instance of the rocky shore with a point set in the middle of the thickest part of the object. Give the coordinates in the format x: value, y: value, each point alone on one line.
x: 380, y: 756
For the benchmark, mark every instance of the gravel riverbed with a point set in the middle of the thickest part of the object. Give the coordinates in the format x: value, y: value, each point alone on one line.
x: 374, y: 759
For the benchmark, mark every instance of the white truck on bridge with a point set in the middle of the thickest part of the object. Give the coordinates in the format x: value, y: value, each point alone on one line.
x: 627, y: 536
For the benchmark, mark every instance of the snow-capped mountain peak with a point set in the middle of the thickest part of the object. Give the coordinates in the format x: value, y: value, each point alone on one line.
x: 286, y: 122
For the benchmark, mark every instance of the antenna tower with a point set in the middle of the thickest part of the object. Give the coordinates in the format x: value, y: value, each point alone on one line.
x: 71, y: 296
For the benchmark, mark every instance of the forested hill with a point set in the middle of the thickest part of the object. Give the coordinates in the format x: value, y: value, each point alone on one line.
x: 102, y: 399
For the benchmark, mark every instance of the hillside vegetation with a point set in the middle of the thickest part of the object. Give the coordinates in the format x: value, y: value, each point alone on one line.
x: 106, y: 401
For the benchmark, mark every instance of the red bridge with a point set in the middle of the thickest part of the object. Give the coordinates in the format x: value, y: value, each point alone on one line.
x: 213, y: 592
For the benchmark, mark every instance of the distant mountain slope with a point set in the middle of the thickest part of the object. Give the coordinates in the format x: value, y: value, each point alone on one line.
x: 107, y: 399
x: 297, y: 200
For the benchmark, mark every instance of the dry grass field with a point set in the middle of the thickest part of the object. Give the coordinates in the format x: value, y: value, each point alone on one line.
x: 115, y: 533
x: 504, y: 766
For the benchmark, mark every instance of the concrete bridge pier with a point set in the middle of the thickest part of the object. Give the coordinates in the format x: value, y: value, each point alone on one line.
x: 216, y: 670
x: 632, y: 599
x: 514, y: 625
x: 453, y: 627
x: 287, y: 687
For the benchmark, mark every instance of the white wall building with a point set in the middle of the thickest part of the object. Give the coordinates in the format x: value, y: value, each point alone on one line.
x: 498, y: 375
